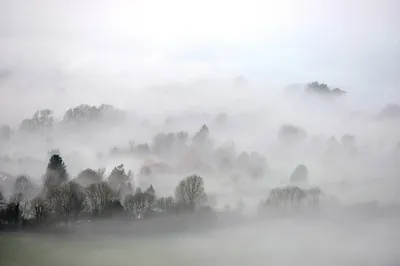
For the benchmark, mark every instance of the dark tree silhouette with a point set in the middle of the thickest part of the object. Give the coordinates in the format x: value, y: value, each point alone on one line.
x: 202, y: 135
x: 118, y: 177
x: 56, y: 172
x: 323, y: 89
x: 293, y: 197
x: 285, y: 197
x: 2, y: 200
x: 40, y: 210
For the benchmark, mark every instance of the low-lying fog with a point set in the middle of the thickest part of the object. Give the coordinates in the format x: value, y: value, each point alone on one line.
x: 232, y: 92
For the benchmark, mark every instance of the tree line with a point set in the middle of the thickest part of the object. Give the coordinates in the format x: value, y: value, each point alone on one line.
x: 91, y: 196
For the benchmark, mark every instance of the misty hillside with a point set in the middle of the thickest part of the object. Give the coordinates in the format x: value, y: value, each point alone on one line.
x: 199, y: 132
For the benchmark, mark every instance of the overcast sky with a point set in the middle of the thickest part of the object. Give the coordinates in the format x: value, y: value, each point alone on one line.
x: 90, y: 46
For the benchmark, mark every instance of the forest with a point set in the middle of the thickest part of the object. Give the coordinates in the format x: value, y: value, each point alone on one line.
x: 57, y: 199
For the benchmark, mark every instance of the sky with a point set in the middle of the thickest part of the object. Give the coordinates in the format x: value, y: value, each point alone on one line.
x: 107, y: 50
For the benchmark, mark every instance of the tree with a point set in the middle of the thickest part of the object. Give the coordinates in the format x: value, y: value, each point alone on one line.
x: 5, y: 132
x: 3, y: 203
x: 67, y: 200
x: 202, y: 135
x: 291, y: 133
x: 89, y: 176
x: 290, y: 196
x: 313, y: 196
x: 99, y: 195
x: 41, y: 119
x: 300, y: 174
x: 39, y: 209
x: 118, y: 176
x: 163, y: 143
x: 2, y: 198
x: 165, y: 203
x: 13, y: 212
x: 190, y: 191
x: 323, y: 89
x: 151, y: 192
x: 113, y: 207
x: 56, y: 172
x: 22, y: 184
x: 138, y: 203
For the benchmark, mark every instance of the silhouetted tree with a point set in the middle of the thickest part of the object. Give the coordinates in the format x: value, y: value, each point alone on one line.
x: 40, y: 210
x: 165, y: 203
x: 323, y: 89
x: 300, y: 174
x: 290, y: 196
x: 88, y: 176
x: 22, y: 184
x: 41, y: 119
x: 56, y: 172
x: 14, y: 209
x: 202, y: 135
x: 2, y: 200
x: 113, y: 208
x: 190, y: 192
x: 151, y: 191
x: 118, y: 176
x: 163, y: 143
x: 99, y: 195
x: 138, y: 203
x: 84, y: 113
x: 67, y: 200
x: 313, y: 196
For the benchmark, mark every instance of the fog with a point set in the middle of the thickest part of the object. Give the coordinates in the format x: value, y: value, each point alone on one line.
x: 157, y: 75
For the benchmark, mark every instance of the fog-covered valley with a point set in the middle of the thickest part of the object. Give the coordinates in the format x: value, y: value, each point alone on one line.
x: 210, y: 133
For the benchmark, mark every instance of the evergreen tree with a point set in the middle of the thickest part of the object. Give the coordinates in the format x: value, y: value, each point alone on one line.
x: 56, y: 172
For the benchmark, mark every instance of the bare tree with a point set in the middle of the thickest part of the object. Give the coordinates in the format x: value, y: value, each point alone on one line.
x: 190, y: 191
x: 138, y: 203
x: 2, y: 199
x: 313, y: 196
x: 99, y: 194
x: 15, y: 209
x: 39, y: 209
x: 290, y: 196
x: 67, y: 200
x: 22, y: 184
x: 165, y: 203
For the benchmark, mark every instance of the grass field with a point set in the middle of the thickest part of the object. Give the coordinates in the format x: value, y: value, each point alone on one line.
x: 275, y: 243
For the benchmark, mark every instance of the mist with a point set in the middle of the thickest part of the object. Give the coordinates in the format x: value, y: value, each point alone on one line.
x: 286, y: 113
